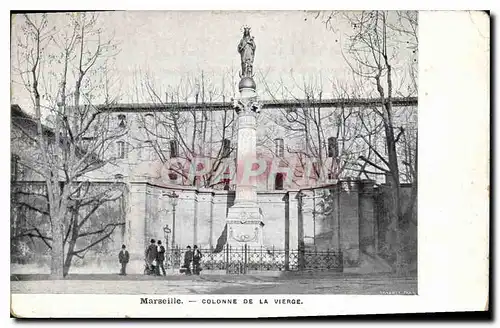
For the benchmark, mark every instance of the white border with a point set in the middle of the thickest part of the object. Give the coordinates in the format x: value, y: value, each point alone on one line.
x: 453, y: 194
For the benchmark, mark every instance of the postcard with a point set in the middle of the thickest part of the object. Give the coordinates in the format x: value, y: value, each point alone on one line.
x: 225, y: 164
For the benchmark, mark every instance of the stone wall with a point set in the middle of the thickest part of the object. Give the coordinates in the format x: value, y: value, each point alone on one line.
x: 385, y: 229
x: 292, y: 218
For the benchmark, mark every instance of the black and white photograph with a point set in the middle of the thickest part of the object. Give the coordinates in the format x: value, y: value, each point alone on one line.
x: 162, y: 153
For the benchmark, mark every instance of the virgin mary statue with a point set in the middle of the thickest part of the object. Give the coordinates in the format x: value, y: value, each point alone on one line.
x: 246, y: 48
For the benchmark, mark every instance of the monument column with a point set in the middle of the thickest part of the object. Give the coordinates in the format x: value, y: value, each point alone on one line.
x: 244, y: 220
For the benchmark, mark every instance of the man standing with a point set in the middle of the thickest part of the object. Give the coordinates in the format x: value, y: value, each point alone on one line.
x: 123, y: 257
x: 151, y: 254
x: 188, y: 257
x: 160, y: 258
x: 196, y: 260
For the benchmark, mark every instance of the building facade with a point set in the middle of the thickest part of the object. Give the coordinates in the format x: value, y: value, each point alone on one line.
x: 177, y: 163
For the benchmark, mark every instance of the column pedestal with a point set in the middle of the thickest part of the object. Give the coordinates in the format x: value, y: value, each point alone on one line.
x: 244, y: 225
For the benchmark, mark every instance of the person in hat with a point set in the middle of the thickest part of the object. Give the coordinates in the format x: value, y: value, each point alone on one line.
x: 151, y: 254
x: 123, y: 257
x: 160, y: 258
x: 188, y: 258
x: 196, y: 260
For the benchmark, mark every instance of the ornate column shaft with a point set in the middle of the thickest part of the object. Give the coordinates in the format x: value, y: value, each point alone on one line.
x: 246, y: 181
x: 244, y: 219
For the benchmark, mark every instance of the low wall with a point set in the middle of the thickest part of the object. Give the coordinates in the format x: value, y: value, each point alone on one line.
x: 353, y: 220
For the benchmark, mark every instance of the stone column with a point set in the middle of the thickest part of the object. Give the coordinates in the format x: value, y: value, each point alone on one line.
x: 136, y: 228
x: 349, y: 222
x: 204, y: 218
x: 367, y: 233
x: 246, y: 188
x: 293, y: 220
x: 244, y: 218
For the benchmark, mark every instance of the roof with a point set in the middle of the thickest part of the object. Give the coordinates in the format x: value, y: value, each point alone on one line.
x: 271, y: 104
x: 17, y: 115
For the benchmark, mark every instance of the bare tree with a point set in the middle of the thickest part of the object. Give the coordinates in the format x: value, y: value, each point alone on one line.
x: 331, y: 138
x: 184, y: 138
x: 64, y: 70
x: 374, y: 52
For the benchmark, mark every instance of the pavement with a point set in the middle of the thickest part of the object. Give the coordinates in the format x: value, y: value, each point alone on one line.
x: 306, y: 283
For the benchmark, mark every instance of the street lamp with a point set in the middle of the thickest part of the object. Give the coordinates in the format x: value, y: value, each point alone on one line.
x: 173, y: 200
x: 339, y: 190
x: 166, y: 232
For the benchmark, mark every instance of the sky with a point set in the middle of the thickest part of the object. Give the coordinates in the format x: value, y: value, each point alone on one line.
x: 292, y: 46
x: 173, y: 44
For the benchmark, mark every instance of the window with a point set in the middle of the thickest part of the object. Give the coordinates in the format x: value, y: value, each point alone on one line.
x: 87, y: 142
x: 226, y: 148
x: 122, y: 121
x: 280, y: 147
x: 332, y: 147
x: 149, y: 121
x: 122, y: 152
x: 14, y: 166
x: 172, y: 175
x: 291, y: 114
x: 331, y: 176
x: 147, y: 151
x: 174, y: 149
x: 278, y: 181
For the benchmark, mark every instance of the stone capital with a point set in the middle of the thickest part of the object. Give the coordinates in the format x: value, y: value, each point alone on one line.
x: 247, y: 105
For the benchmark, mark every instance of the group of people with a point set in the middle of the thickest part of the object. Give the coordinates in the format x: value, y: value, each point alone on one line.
x: 155, y: 258
x: 192, y: 260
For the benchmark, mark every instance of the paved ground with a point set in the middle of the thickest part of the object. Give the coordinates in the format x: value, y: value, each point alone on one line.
x: 216, y: 284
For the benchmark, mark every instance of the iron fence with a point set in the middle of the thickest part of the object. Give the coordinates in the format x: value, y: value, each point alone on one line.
x: 241, y: 260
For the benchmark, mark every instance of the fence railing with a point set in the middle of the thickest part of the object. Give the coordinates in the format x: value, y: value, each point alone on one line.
x: 244, y: 259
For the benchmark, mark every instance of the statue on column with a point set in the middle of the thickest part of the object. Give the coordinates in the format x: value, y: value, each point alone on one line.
x: 246, y: 48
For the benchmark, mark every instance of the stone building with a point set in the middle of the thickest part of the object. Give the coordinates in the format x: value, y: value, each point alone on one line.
x: 177, y: 163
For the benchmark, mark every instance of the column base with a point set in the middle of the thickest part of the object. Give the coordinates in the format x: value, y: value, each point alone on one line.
x: 244, y: 224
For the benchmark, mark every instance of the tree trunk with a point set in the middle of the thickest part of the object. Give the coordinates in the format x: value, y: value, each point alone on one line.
x: 69, y: 257
x: 57, y: 251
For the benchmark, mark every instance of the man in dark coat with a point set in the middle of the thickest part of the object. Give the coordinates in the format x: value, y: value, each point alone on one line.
x: 188, y: 258
x: 123, y: 257
x: 160, y: 258
x: 196, y: 260
x: 151, y: 254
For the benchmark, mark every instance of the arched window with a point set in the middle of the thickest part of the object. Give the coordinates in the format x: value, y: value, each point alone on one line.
x: 279, y: 181
x: 332, y: 147
x: 122, y: 150
x: 122, y: 121
x: 280, y: 147
x: 174, y: 149
x: 148, y: 151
